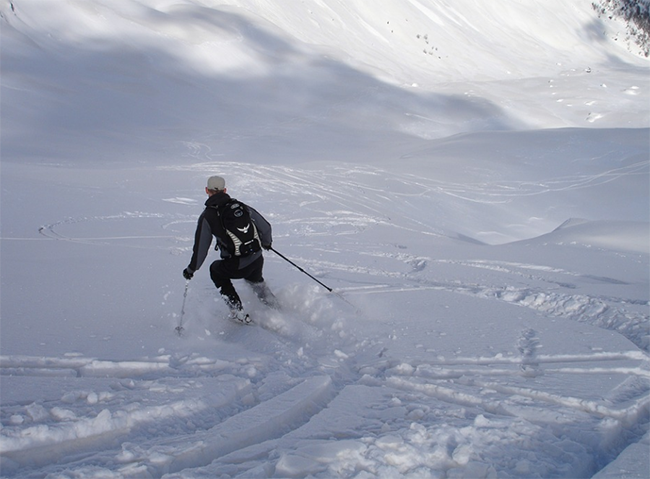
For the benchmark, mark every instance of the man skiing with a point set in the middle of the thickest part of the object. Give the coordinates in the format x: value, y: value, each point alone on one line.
x: 241, y: 257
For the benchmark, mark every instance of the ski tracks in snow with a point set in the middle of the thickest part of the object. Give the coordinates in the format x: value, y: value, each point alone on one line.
x: 310, y: 392
x: 149, y: 418
x: 144, y: 418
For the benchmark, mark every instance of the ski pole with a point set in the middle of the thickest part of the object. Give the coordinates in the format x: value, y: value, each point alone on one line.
x: 358, y: 311
x: 179, y: 328
x: 300, y: 269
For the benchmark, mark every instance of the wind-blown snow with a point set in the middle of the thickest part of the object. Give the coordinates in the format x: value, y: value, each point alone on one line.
x: 471, y: 179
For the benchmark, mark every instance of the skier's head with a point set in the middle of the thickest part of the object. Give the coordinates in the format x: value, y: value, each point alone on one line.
x: 216, y: 184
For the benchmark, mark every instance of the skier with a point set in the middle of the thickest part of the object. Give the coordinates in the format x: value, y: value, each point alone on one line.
x: 237, y: 260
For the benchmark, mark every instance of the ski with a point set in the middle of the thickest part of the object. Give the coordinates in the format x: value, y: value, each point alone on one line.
x: 241, y: 317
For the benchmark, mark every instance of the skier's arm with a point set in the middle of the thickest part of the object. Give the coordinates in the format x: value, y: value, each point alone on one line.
x: 263, y: 227
x: 202, y: 242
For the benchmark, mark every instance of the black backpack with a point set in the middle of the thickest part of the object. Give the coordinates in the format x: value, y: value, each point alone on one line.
x: 241, y: 237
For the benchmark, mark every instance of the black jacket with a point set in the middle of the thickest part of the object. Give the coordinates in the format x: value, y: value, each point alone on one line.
x: 209, y: 225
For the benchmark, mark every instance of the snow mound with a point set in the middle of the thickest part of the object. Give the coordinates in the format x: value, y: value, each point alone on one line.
x: 623, y: 236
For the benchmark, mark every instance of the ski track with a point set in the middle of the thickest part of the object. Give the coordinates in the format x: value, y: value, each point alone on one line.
x: 190, y: 431
x: 199, y: 393
x: 223, y: 415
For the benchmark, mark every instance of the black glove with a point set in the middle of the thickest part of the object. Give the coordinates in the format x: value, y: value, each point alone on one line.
x: 267, y: 246
x: 187, y: 274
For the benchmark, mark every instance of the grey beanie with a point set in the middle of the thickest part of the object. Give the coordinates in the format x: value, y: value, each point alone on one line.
x: 216, y: 183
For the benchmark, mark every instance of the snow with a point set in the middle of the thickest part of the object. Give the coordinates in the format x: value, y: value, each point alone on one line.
x: 470, y: 179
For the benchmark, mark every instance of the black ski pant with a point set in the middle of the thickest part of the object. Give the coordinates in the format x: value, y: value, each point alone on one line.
x: 224, y: 270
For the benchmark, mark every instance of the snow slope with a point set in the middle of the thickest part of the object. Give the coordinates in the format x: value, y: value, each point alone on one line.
x: 471, y: 179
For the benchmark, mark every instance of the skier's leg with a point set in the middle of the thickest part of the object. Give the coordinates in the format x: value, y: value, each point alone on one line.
x: 256, y: 280
x: 265, y: 295
x: 220, y: 275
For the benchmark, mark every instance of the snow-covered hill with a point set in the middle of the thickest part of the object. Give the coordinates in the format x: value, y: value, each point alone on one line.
x: 470, y: 178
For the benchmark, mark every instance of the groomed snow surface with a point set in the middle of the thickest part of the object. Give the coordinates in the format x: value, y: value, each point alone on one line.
x: 471, y: 179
